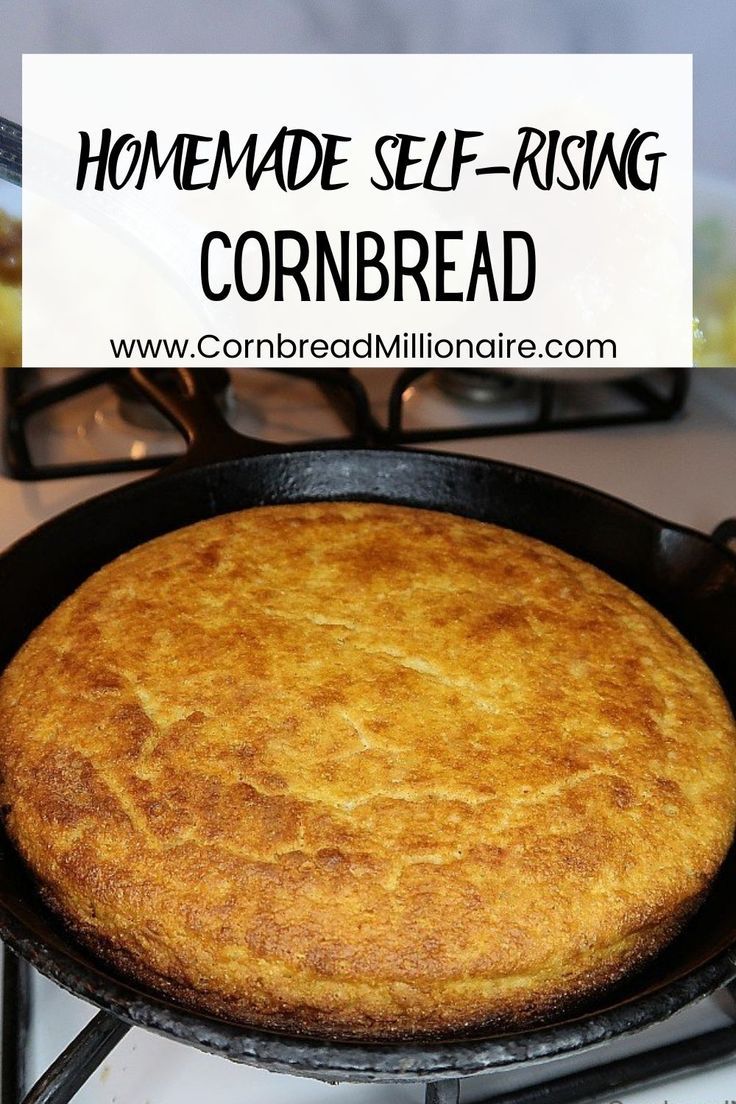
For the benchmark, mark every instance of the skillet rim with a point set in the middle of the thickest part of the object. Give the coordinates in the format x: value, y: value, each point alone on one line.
x: 181, y: 468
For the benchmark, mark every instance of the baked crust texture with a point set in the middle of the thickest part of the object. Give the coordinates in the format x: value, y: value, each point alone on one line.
x: 365, y: 771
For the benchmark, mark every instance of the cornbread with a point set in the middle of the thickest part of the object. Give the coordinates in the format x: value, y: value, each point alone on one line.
x: 365, y: 771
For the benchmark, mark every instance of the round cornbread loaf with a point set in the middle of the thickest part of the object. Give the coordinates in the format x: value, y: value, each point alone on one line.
x: 365, y: 771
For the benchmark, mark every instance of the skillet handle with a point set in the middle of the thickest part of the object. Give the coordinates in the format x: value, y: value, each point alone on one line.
x: 725, y: 532
x: 191, y: 407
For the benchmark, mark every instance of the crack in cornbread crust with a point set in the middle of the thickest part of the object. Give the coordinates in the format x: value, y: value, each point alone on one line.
x: 365, y: 770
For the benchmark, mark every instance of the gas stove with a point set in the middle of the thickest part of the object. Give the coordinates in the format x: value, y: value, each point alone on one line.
x: 668, y: 451
x: 64, y: 423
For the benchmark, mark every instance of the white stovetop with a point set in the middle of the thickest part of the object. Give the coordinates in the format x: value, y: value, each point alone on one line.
x: 683, y: 470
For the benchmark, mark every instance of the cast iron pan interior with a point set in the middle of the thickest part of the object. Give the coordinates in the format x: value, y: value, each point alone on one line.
x: 685, y: 574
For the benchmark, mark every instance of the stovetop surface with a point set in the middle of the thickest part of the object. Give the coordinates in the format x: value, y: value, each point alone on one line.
x: 684, y: 470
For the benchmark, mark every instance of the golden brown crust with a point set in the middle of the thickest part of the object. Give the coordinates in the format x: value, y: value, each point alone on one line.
x: 365, y: 770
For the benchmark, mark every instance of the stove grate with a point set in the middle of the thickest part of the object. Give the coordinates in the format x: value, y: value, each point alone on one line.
x: 24, y: 399
x: 644, y: 400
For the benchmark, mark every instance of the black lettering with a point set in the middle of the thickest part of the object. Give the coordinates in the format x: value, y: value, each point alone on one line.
x: 331, y: 161
x: 443, y: 265
x: 404, y: 161
x: 432, y: 165
x: 364, y: 262
x: 223, y: 153
x: 509, y: 237
x: 607, y: 155
x: 340, y: 273
x: 86, y: 158
x: 643, y: 184
x: 482, y: 266
x: 190, y: 162
x: 571, y: 140
x: 385, y: 140
x: 402, y: 269
x: 458, y: 157
x: 528, y: 155
x: 256, y: 236
x: 298, y: 138
x: 204, y: 266
x: 294, y: 270
x: 150, y: 156
x: 125, y: 144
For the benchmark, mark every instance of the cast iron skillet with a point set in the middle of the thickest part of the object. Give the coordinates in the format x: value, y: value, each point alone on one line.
x: 688, y: 576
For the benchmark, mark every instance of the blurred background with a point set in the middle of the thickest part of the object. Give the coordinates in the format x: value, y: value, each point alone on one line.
x: 706, y: 28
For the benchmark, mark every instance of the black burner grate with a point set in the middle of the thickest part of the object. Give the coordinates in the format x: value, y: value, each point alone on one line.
x: 25, y: 397
x: 629, y: 401
x: 644, y: 401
